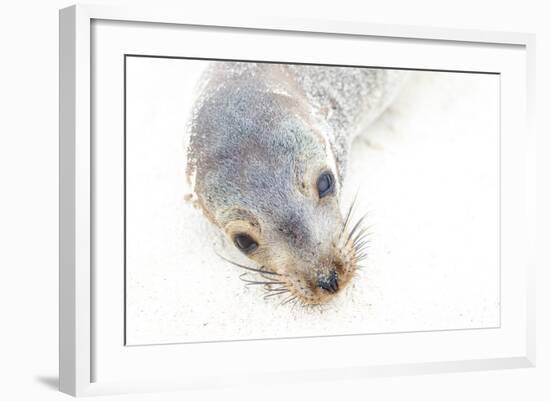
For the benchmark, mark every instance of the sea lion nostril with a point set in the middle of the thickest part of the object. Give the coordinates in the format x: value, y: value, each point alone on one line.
x: 330, y: 282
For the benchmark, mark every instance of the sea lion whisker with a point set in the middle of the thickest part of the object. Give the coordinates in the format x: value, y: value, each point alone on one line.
x: 288, y: 297
x: 355, y: 227
x: 261, y: 283
x: 282, y: 287
x: 272, y: 279
x: 348, y: 215
x: 356, y: 248
x: 360, y: 244
x: 287, y: 300
x: 366, y: 245
x: 280, y: 292
x: 275, y: 293
x: 248, y: 267
x: 363, y: 233
x: 360, y: 255
x: 362, y: 247
x: 361, y: 239
x: 253, y: 282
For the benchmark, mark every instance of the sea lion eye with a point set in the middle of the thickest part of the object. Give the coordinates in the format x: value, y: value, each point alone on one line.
x: 325, y: 184
x: 245, y: 242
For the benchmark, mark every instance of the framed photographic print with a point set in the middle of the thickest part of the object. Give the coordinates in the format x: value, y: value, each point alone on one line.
x: 356, y: 198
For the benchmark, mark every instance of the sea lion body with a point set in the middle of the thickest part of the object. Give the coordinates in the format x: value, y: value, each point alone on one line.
x: 267, y: 157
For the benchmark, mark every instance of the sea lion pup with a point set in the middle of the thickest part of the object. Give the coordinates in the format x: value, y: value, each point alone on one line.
x: 267, y: 156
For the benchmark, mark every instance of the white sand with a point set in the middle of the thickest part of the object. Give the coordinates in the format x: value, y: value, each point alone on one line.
x: 427, y: 173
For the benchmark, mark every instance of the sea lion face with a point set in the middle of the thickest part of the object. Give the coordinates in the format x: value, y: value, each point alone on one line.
x: 299, y: 236
x: 265, y: 175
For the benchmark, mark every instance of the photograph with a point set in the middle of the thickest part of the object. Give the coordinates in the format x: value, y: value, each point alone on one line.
x: 275, y: 200
x: 268, y: 200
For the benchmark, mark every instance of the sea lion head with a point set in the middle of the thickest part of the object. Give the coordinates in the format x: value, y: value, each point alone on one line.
x: 265, y: 175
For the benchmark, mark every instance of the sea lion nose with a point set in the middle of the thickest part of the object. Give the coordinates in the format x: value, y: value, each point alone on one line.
x: 329, y: 283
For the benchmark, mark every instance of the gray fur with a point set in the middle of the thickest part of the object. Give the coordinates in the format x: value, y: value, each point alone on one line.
x: 348, y: 99
x: 260, y: 136
x: 241, y: 123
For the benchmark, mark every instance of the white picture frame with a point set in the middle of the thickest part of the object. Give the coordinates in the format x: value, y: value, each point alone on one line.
x: 95, y: 360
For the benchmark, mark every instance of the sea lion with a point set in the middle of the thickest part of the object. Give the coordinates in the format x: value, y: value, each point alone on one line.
x: 267, y: 157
